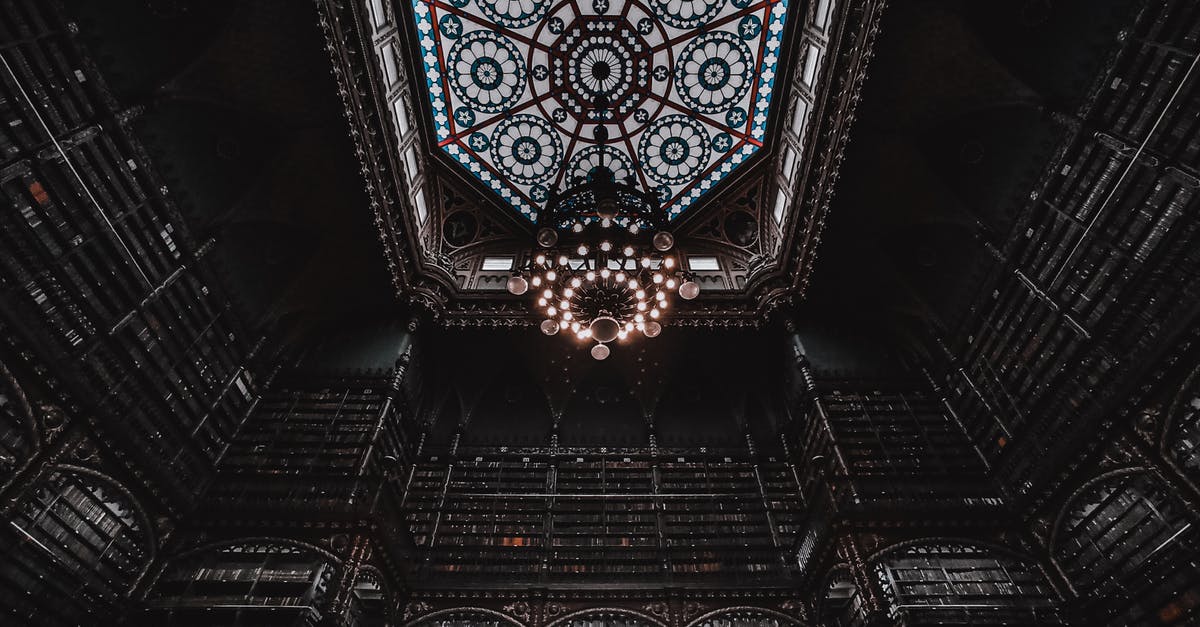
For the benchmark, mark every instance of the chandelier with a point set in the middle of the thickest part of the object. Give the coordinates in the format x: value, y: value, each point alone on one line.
x: 603, y: 267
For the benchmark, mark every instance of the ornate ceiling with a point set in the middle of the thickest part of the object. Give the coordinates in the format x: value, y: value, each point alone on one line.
x: 465, y: 113
x: 530, y: 95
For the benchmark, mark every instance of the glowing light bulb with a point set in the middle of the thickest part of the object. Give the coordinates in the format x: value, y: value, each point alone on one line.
x: 628, y: 251
x: 542, y: 302
x: 548, y: 294
x: 622, y: 335
x: 669, y: 262
x: 550, y: 311
x: 591, y: 276
x: 606, y: 246
x: 639, y: 318
x: 562, y: 324
x: 536, y: 281
x: 640, y: 294
x: 564, y: 305
x: 661, y: 295
x: 551, y: 275
x: 645, y: 262
x: 633, y: 228
x: 604, y: 273
x: 562, y: 260
x: 568, y: 292
x: 641, y: 306
x: 576, y: 282
x: 606, y: 223
x: 577, y: 227
x: 628, y: 326
x: 540, y: 259
x: 575, y: 326
x: 670, y: 284
x: 654, y: 313
x: 620, y: 277
x: 658, y: 278
x: 633, y: 284
x: 582, y: 250
x: 566, y: 316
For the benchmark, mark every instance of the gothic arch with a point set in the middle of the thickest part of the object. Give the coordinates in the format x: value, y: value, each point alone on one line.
x: 1127, y: 544
x: 1179, y: 439
x: 21, y: 435
x: 602, y: 612
x: 463, y: 614
x: 921, y: 576
x: 84, y: 544
x: 744, y: 612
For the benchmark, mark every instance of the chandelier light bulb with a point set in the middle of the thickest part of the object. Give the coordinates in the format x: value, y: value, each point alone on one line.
x: 576, y: 282
x: 517, y: 285
x: 562, y: 260
x: 670, y: 284
x: 566, y: 316
x: 652, y: 329
x: 641, y: 306
x: 551, y: 311
x: 577, y: 227
x: 548, y: 294
x: 591, y: 276
x: 640, y: 294
x: 620, y: 277
x: 654, y: 313
x: 645, y: 262
x: 575, y: 326
x: 663, y: 241
x: 536, y: 280
x: 628, y: 327
x: 564, y: 305
x: 600, y: 352
x: 689, y: 290
x: 542, y: 302
x: 540, y: 259
x: 639, y: 318
x: 547, y: 237
x: 628, y: 251
x: 604, y: 273
x: 563, y: 324
x: 549, y: 327
x: 660, y: 295
x: 669, y: 262
x: 633, y: 284
x: 604, y: 329
x: 622, y: 335
x: 606, y: 223
x: 606, y: 246
x: 582, y: 250
x: 658, y: 278
x: 633, y: 228
x: 568, y: 292
x: 551, y: 275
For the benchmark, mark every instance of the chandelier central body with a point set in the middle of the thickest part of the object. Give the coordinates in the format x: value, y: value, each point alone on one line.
x: 604, y: 266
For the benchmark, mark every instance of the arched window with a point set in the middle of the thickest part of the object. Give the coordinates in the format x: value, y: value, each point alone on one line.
x: 72, y: 550
x: 946, y: 582
x: 1128, y: 544
x: 251, y: 582
x: 465, y: 618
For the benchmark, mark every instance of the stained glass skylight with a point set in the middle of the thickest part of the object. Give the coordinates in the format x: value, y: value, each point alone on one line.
x: 533, y: 95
